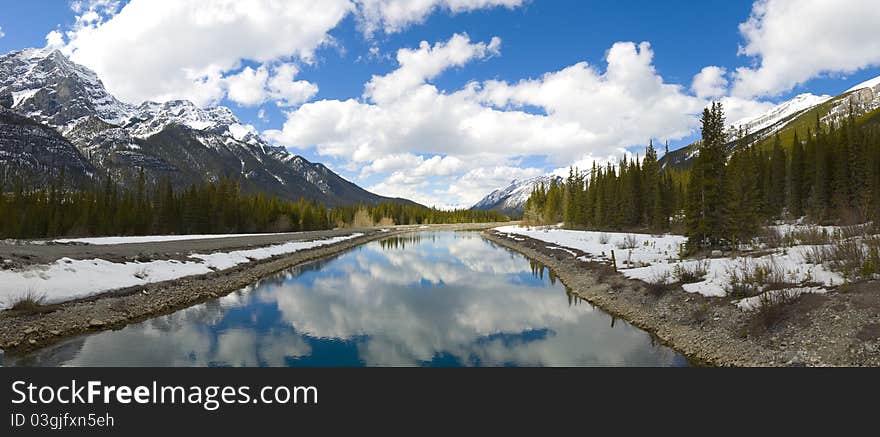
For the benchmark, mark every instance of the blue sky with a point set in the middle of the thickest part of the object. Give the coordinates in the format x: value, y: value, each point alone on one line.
x: 391, y: 142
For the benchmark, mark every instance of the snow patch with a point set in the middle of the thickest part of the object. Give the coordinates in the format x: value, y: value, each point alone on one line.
x: 656, y: 257
x: 754, y: 303
x: 102, y: 241
x: 20, y: 96
x: 68, y: 279
x: 871, y: 83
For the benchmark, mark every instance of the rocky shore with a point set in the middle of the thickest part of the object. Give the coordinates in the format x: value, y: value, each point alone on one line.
x: 840, y: 328
x: 118, y: 308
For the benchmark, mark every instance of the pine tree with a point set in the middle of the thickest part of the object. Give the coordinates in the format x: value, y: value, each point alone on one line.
x: 706, y: 208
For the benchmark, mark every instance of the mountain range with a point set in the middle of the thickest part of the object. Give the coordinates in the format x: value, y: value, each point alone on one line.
x: 794, y: 115
x: 56, y: 114
x: 786, y: 118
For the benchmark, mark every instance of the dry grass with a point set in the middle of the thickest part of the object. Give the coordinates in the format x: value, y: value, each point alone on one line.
x: 749, y: 277
x: 30, y: 302
x: 690, y: 273
x: 855, y: 258
x: 659, y: 284
x: 772, y: 238
x: 772, y: 309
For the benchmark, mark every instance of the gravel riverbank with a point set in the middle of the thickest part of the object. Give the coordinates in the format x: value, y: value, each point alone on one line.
x: 840, y: 328
x: 118, y: 308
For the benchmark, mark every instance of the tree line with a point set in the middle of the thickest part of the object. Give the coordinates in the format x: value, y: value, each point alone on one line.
x: 634, y: 194
x: 829, y: 174
x: 109, y: 208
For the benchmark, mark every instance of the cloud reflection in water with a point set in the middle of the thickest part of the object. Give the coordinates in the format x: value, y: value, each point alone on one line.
x: 424, y: 299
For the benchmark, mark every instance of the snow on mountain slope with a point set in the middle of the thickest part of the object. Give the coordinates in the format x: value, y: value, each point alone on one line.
x: 871, y: 83
x: 48, y: 87
x: 151, y: 117
x: 176, y: 139
x: 781, y: 113
x: 512, y: 198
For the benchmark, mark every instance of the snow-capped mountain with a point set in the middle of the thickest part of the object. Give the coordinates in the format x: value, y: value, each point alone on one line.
x: 49, y: 88
x: 36, y: 152
x: 777, y: 116
x: 511, y: 200
x: 797, y: 113
x: 174, y: 139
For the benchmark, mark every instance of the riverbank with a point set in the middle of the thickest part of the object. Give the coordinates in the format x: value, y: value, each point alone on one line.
x: 839, y: 328
x: 118, y: 308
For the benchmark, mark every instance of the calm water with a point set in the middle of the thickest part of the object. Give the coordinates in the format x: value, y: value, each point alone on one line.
x: 430, y: 299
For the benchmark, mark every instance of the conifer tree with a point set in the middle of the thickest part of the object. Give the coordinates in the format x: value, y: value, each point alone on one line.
x: 706, y: 209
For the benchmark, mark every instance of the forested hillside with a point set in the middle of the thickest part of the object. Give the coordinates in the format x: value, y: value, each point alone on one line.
x: 829, y: 173
x: 207, y: 208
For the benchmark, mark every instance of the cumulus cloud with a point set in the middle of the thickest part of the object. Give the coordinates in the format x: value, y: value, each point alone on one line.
x: 2, y: 34
x: 425, y: 63
x: 248, y: 87
x: 55, y: 39
x: 172, y: 49
x: 251, y: 87
x: 394, y: 15
x: 286, y: 91
x: 183, y: 49
x: 793, y: 41
x: 710, y: 82
x: 405, y: 122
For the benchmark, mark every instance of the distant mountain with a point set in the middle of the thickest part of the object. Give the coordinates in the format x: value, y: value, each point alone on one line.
x: 796, y: 115
x: 174, y: 139
x: 511, y: 200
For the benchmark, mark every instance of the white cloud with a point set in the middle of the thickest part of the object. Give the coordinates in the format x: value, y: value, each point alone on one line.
x: 172, y: 49
x: 248, y: 87
x: 425, y: 63
x: 2, y: 34
x: 796, y: 40
x: 710, y: 82
x: 405, y: 122
x: 289, y: 92
x: 395, y: 15
x: 55, y: 39
x: 183, y: 49
x: 251, y: 87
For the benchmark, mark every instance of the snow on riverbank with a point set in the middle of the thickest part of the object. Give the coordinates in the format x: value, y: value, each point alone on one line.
x: 102, y: 241
x: 647, y: 249
x: 68, y: 279
x: 654, y: 258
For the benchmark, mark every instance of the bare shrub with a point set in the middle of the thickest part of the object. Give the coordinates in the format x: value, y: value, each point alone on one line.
x: 854, y: 231
x: 772, y: 238
x: 811, y: 235
x: 690, y: 273
x: 362, y: 219
x: 772, y: 307
x: 629, y: 241
x: 817, y: 255
x: 856, y: 258
x: 604, y: 238
x: 748, y: 277
x: 659, y: 284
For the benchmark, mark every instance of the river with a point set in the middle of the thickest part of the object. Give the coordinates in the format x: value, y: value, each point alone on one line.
x: 425, y: 299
